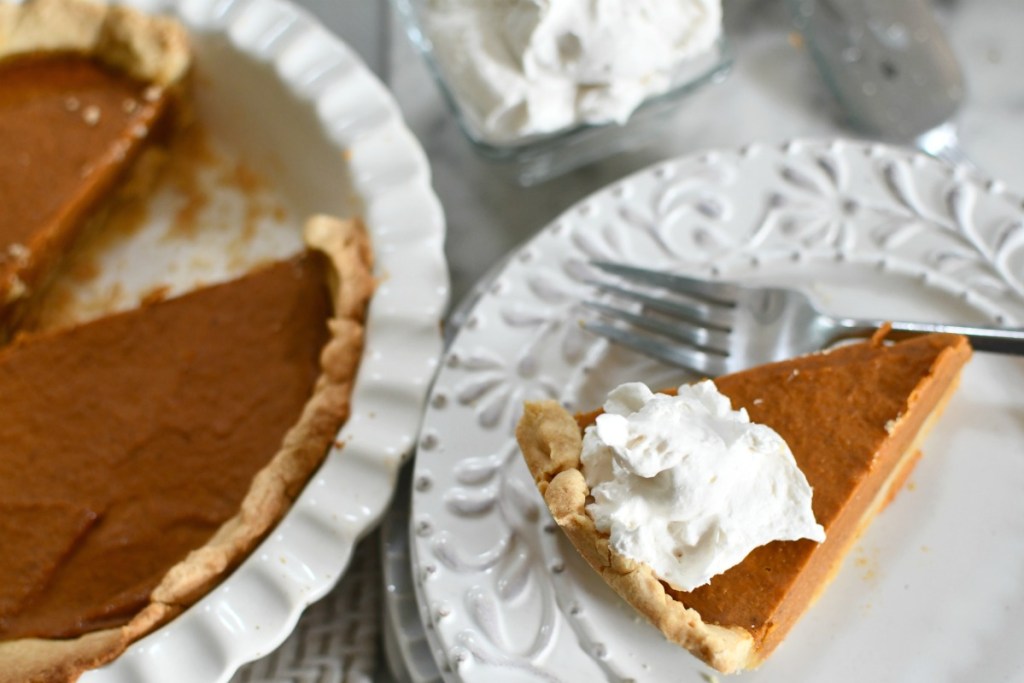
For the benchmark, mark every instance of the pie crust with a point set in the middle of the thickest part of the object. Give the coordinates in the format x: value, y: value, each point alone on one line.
x: 551, y: 441
x: 271, y: 492
x: 146, y: 47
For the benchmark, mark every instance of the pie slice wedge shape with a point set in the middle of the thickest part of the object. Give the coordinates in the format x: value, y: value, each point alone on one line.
x: 163, y: 443
x: 85, y: 91
x: 854, y: 418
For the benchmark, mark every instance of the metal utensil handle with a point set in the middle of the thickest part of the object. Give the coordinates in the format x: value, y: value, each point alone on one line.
x: 993, y: 339
x: 889, y: 64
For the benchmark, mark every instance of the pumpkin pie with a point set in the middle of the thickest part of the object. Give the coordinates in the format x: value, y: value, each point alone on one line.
x: 854, y: 419
x: 86, y: 90
x: 145, y: 453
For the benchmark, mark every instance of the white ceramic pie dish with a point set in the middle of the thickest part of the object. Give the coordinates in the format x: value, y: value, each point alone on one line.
x: 277, y: 90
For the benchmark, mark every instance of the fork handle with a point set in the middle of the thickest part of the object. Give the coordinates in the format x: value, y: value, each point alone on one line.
x: 994, y: 339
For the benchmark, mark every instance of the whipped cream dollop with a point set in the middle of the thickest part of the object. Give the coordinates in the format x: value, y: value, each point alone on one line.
x: 690, y: 486
x: 526, y: 67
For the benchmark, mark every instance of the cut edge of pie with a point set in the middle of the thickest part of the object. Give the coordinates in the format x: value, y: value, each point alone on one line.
x: 350, y: 281
x: 153, y: 50
x: 551, y: 442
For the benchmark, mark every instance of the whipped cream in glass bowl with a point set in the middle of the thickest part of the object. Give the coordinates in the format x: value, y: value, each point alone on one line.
x: 550, y: 85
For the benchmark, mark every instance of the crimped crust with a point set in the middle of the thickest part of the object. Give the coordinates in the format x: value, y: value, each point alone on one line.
x: 273, y: 489
x: 551, y: 443
x: 148, y: 48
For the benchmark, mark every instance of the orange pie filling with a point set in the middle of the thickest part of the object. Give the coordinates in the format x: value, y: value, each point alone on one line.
x: 853, y: 418
x: 135, y: 438
x: 74, y: 120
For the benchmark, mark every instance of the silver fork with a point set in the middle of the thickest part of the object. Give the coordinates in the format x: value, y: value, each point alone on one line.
x: 715, y: 328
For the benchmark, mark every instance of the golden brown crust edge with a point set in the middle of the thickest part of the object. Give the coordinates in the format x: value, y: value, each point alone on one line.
x: 550, y: 440
x: 304, y: 446
x: 347, y: 247
x: 34, y: 660
x: 149, y: 48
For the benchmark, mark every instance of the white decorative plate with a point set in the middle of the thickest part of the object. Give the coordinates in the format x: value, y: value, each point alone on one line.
x: 406, y: 649
x: 277, y: 90
x: 932, y: 592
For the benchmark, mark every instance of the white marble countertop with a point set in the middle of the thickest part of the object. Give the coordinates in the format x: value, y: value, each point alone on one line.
x: 773, y: 94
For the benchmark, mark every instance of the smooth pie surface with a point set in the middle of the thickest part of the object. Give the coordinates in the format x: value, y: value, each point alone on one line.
x: 849, y: 417
x: 127, y: 442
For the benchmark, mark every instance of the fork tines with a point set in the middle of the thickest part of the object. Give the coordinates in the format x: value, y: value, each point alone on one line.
x: 684, y: 321
x: 721, y: 293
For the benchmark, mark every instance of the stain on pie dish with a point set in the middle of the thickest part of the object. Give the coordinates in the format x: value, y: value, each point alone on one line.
x: 198, y: 192
x: 854, y: 419
x: 143, y: 454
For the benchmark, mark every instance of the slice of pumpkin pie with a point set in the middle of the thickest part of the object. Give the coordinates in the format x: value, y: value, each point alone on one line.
x: 142, y: 455
x: 853, y: 419
x: 86, y: 89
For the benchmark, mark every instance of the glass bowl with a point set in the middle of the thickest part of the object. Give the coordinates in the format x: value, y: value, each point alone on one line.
x: 536, y: 158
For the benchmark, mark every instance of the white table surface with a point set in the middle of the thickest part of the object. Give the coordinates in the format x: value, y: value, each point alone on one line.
x: 773, y: 94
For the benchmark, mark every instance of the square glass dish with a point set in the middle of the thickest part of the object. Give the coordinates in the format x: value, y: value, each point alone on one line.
x: 532, y: 159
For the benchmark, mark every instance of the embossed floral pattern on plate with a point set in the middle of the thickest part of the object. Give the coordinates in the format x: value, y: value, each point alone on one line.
x: 867, y: 230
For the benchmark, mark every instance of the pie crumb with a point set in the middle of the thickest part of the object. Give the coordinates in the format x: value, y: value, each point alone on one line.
x: 17, y: 289
x: 17, y: 252
x: 91, y: 115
